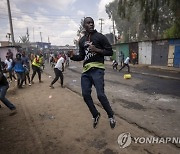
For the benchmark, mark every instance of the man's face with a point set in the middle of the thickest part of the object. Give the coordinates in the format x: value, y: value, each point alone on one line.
x: 89, y: 25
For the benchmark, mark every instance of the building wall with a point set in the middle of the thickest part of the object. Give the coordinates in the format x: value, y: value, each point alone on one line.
x: 145, y: 52
x: 4, y: 43
x: 174, y: 53
x: 160, y: 51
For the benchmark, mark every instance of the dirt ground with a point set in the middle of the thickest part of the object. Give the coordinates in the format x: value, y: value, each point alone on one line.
x: 57, y: 121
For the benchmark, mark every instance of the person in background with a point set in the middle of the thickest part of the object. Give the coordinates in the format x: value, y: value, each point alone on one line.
x: 10, y: 54
x: 134, y: 57
x: 126, y: 63
x: 58, y: 70
x: 93, y: 46
x: 26, y: 66
x: 9, y: 68
x: 121, y: 58
x: 115, y: 64
x: 19, y: 69
x: 36, y: 67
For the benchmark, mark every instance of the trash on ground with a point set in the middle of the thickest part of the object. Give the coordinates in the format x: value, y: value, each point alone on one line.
x: 127, y: 76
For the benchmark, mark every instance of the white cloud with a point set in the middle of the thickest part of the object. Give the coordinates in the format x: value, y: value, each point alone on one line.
x: 42, y: 10
x: 81, y: 13
x: 61, y: 30
x: 57, y: 4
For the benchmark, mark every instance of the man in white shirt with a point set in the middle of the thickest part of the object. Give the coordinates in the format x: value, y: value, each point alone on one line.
x: 126, y: 63
x: 58, y: 69
x: 9, y: 63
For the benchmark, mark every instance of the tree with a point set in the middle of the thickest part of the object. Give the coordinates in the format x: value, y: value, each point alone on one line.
x: 151, y: 11
x: 144, y: 19
x: 81, y: 30
x: 24, y: 42
x: 24, y: 39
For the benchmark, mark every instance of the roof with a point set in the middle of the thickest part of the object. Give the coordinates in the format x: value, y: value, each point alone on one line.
x: 13, y: 46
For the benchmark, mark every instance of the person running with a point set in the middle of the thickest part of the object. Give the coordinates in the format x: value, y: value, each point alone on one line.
x: 126, y: 63
x: 93, y: 46
x: 58, y: 69
x: 3, y: 89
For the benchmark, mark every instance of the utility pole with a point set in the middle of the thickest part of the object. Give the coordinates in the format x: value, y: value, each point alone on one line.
x: 27, y: 33
x: 101, y: 23
x: 41, y: 36
x: 48, y: 39
x: 114, y: 31
x: 10, y: 22
x: 33, y: 34
x: 27, y: 43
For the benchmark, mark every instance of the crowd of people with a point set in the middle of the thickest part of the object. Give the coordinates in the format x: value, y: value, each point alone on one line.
x: 93, y: 46
x: 125, y: 62
x: 16, y: 68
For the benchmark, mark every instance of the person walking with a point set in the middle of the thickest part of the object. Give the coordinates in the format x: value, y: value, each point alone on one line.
x: 36, y: 67
x: 93, y: 46
x: 126, y: 63
x: 58, y: 70
x: 26, y: 66
x: 3, y: 89
x: 19, y: 69
x: 9, y: 64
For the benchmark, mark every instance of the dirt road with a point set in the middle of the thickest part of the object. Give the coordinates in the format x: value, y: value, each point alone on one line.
x: 57, y: 121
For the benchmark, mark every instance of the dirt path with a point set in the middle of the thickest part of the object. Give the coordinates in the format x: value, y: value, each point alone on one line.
x: 51, y: 121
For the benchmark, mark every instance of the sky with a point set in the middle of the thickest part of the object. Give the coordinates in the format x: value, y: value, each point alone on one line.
x: 57, y: 20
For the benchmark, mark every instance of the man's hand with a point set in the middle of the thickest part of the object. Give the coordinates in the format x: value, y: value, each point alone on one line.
x: 93, y: 49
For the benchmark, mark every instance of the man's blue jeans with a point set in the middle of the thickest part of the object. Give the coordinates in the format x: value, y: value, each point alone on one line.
x: 3, y: 90
x: 95, y: 76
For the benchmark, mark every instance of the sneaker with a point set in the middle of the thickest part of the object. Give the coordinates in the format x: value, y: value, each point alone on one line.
x: 29, y: 84
x: 96, y: 120
x: 51, y: 86
x: 13, y: 111
x: 112, y: 122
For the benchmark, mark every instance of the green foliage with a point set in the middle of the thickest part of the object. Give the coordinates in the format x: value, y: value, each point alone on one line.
x: 150, y: 8
x: 173, y: 32
x: 80, y: 31
x: 144, y: 19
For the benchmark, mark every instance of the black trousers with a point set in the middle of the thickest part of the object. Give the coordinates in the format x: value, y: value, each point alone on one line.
x: 124, y: 66
x: 88, y: 79
x: 38, y: 70
x: 58, y: 74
